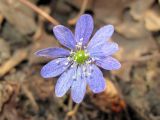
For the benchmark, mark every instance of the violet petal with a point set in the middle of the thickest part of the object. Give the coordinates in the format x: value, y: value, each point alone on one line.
x: 108, y: 63
x: 64, y: 36
x: 96, y: 80
x: 84, y: 28
x: 64, y: 82
x: 55, y: 67
x: 78, y: 88
x: 104, y: 50
x: 101, y: 36
x: 53, y: 52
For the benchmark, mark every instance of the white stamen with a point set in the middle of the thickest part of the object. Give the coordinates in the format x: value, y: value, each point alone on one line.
x: 88, y: 74
x: 57, y: 61
x: 71, y: 53
x: 66, y: 63
x: 93, y: 59
x: 79, y: 43
x: 84, y: 69
x: 88, y: 54
x: 85, y: 48
x: 74, y: 77
x: 81, y: 40
x: 88, y: 62
x: 73, y: 65
x: 69, y: 58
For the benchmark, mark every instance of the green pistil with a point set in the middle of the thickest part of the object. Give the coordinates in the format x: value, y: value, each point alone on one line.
x: 80, y: 56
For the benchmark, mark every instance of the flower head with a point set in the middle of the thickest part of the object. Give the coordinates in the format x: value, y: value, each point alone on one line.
x: 79, y: 64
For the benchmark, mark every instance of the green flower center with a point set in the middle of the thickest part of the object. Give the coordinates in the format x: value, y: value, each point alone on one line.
x: 80, y: 56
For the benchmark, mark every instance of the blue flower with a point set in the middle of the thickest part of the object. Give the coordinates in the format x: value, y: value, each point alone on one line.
x: 79, y: 64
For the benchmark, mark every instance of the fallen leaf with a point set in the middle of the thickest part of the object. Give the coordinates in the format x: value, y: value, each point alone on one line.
x: 18, y: 15
x: 152, y: 20
x: 110, y: 12
x: 131, y: 29
x: 139, y: 7
x: 4, y: 51
x: 110, y: 99
x: 6, y: 92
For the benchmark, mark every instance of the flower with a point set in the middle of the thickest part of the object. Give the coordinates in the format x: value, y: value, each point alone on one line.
x: 79, y: 64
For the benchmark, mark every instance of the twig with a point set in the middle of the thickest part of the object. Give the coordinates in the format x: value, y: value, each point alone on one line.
x: 83, y: 7
x: 30, y: 97
x: 1, y: 19
x: 18, y: 57
x: 39, y: 11
x: 143, y: 58
x: 39, y: 31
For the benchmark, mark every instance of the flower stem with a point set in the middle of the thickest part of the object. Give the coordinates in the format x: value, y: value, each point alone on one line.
x: 70, y: 104
x: 73, y: 111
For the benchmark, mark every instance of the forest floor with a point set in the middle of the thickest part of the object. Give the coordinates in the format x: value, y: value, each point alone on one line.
x: 132, y: 92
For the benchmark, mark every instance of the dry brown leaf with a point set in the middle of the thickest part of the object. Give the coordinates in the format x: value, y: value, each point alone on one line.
x: 18, y: 15
x: 110, y: 99
x: 44, y: 88
x: 4, y: 50
x: 152, y: 20
x: 130, y: 52
x: 110, y: 12
x: 131, y: 29
x: 132, y: 49
x: 6, y: 91
x: 139, y: 7
x: 124, y: 73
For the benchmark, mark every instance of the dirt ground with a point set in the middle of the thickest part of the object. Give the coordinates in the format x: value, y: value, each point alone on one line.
x: 132, y: 93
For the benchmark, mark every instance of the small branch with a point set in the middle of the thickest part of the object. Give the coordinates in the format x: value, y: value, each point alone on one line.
x: 39, y: 11
x: 1, y: 19
x: 83, y: 7
x: 144, y: 58
x: 30, y: 97
x: 17, y: 58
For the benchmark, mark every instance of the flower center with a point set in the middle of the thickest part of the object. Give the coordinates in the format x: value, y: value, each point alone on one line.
x: 80, y: 56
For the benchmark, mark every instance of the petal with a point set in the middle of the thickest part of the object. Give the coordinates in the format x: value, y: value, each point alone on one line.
x: 64, y: 82
x: 55, y: 67
x: 84, y: 28
x: 78, y: 88
x: 53, y: 52
x: 101, y: 36
x: 104, y: 50
x: 65, y: 36
x: 96, y: 80
x: 108, y: 63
